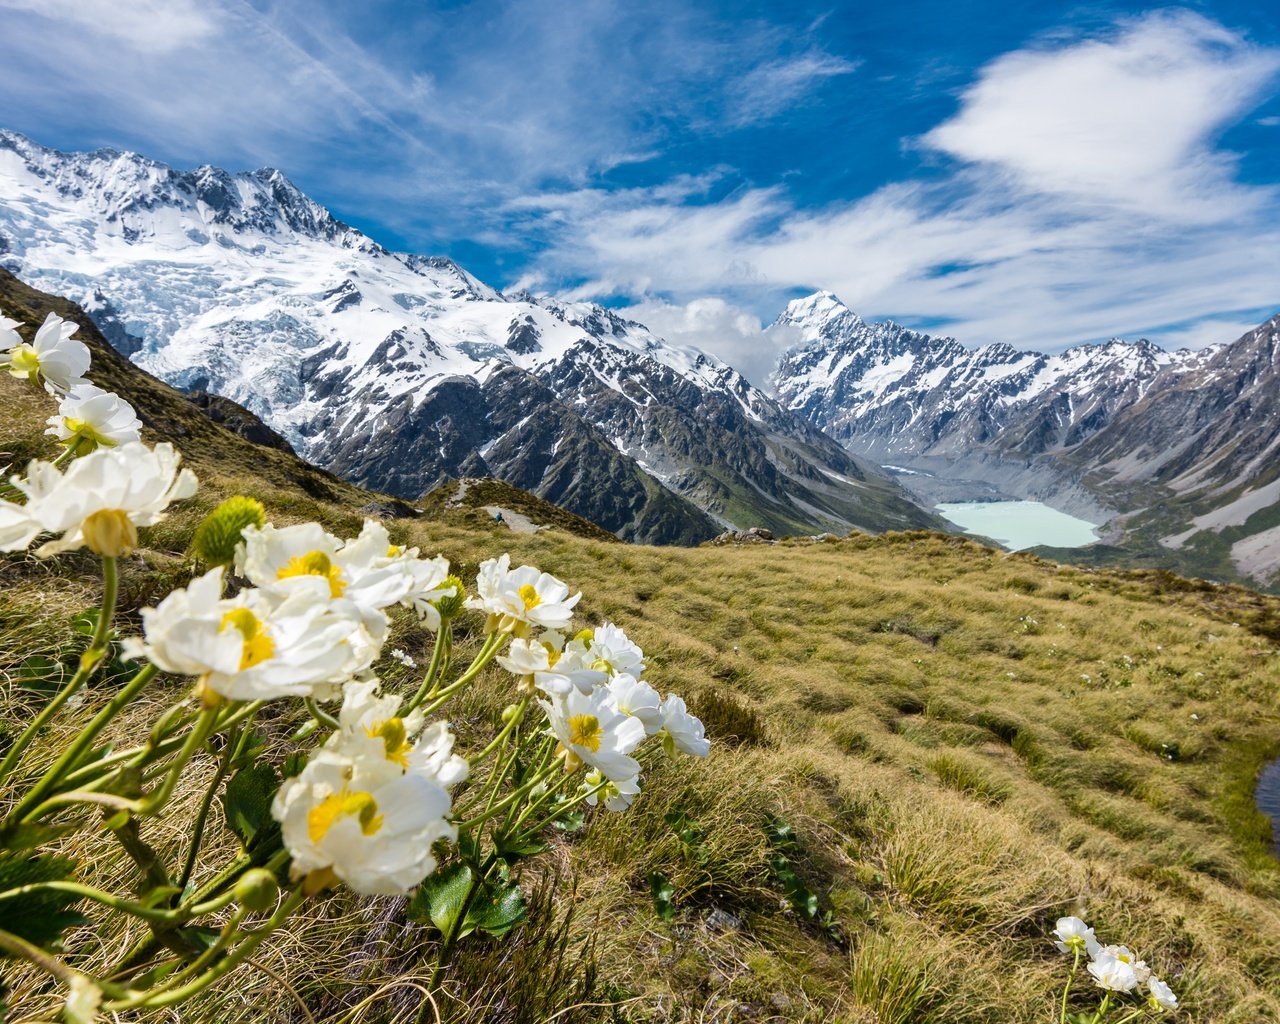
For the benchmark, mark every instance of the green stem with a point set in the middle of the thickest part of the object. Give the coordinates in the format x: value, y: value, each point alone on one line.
x: 98, y: 896
x: 440, y: 658
x: 223, y: 967
x: 83, y: 742
x: 508, y: 800
x: 486, y: 655
x: 451, y: 936
x: 89, y: 662
x: 319, y: 714
x: 229, y: 753
x: 23, y: 949
x: 1102, y: 1010
x: 195, y: 740
x: 507, y: 730
x: 1066, y: 991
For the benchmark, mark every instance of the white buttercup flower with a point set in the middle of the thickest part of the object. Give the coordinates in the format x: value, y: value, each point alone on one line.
x: 516, y: 599
x: 549, y: 665
x: 90, y: 417
x: 681, y: 730
x: 1112, y: 974
x: 638, y: 699
x: 1125, y: 955
x: 612, y: 651
x: 617, y: 796
x: 101, y: 499
x: 254, y: 646
x: 591, y: 729
x: 428, y: 580
x: 369, y: 725
x: 346, y: 816
x: 53, y: 357
x: 9, y: 338
x: 1160, y: 996
x: 1075, y: 936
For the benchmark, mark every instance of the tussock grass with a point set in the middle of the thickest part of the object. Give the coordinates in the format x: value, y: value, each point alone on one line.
x: 966, y: 744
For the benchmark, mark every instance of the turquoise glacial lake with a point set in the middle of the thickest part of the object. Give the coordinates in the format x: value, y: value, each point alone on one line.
x: 1019, y: 524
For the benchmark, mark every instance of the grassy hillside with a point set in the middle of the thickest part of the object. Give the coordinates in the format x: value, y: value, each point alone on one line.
x: 948, y: 746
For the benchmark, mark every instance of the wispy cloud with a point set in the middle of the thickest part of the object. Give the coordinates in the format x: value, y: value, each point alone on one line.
x: 773, y: 87
x: 1084, y: 198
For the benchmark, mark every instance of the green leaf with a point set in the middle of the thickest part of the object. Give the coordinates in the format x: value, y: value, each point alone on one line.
x: 247, y: 803
x: 39, y: 917
x: 42, y: 676
x: 663, y: 893
x: 496, y: 909
x: 441, y: 896
x: 515, y: 847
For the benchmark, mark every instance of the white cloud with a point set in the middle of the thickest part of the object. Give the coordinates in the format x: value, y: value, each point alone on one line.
x: 768, y: 89
x: 735, y: 334
x: 1125, y: 120
x: 149, y: 26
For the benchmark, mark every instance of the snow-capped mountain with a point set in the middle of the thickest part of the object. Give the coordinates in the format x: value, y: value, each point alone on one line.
x: 398, y: 370
x: 1177, y: 447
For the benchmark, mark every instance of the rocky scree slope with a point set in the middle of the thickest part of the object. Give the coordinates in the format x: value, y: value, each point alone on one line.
x: 398, y: 371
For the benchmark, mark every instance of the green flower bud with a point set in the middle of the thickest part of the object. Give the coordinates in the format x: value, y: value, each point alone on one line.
x: 450, y: 606
x: 509, y: 713
x: 216, y: 538
x: 257, y: 890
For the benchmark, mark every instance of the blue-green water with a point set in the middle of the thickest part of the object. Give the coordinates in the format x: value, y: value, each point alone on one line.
x: 1019, y: 524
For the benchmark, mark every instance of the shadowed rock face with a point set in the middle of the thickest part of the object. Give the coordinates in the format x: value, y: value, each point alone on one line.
x: 514, y: 428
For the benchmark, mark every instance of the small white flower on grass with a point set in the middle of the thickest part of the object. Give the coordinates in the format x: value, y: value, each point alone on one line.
x: 1112, y: 974
x: 253, y: 646
x: 54, y: 358
x: 91, y: 418
x: 405, y: 659
x: 1074, y: 936
x: 9, y: 338
x: 1160, y: 996
x: 549, y: 665
x: 593, y: 731
x: 617, y: 795
x: 349, y: 818
x: 99, y: 502
x: 681, y: 730
x: 638, y: 699
x: 517, y: 599
x: 1127, y: 956
x: 611, y: 650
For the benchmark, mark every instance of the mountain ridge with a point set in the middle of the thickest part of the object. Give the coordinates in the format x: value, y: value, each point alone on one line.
x: 242, y: 286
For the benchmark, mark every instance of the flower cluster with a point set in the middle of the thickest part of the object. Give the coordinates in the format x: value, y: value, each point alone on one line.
x: 598, y: 707
x: 1114, y: 968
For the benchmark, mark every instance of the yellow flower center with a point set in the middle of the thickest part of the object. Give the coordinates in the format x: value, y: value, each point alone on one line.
x: 585, y: 731
x: 109, y: 532
x: 552, y: 655
x: 394, y: 551
x: 315, y: 563
x: 529, y: 596
x: 23, y: 361
x: 84, y: 429
x: 343, y: 804
x: 258, y: 646
x: 394, y: 740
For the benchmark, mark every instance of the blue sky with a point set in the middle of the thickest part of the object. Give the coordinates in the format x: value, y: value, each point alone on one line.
x: 1042, y: 174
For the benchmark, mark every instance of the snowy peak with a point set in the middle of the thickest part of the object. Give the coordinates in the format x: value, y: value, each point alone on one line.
x: 137, y: 198
x: 397, y: 370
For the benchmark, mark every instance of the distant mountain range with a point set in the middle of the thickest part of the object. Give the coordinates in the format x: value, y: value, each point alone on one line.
x: 1178, y: 452
x: 397, y: 371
